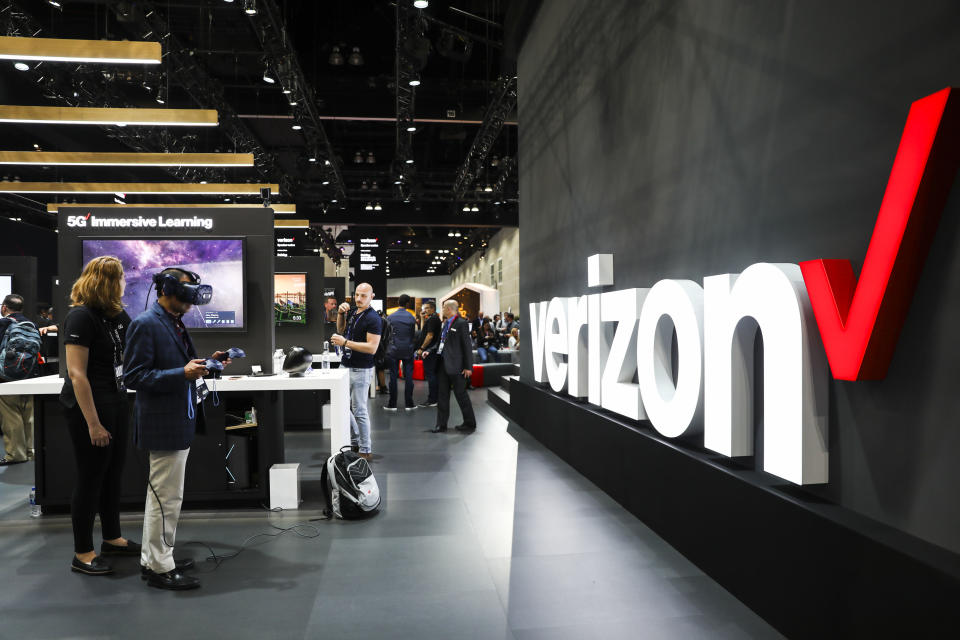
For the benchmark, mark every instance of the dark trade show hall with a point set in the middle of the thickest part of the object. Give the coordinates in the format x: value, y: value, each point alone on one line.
x: 479, y: 319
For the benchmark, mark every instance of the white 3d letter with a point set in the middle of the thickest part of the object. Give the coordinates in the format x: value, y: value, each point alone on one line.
x: 620, y: 394
x: 794, y: 371
x: 577, y: 316
x: 672, y: 410
x: 538, y: 337
x: 557, y: 343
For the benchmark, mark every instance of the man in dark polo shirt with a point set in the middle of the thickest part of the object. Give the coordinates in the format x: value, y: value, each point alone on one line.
x: 358, y: 332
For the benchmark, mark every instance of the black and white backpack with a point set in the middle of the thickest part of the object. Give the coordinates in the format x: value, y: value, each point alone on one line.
x: 349, y: 487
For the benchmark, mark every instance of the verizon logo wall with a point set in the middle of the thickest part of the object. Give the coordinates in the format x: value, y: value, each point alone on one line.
x: 629, y: 331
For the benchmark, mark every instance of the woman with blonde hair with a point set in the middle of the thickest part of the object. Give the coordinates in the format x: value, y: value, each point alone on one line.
x: 97, y: 411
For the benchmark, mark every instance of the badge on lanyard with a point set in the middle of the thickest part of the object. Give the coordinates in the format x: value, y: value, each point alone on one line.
x: 202, y: 390
x: 118, y: 375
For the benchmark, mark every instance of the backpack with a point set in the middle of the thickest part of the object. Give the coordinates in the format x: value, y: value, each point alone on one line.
x: 19, y: 350
x: 386, y: 341
x: 349, y: 487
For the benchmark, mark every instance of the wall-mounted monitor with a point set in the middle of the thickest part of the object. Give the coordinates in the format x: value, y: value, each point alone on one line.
x: 6, y: 285
x: 218, y: 261
x: 290, y: 298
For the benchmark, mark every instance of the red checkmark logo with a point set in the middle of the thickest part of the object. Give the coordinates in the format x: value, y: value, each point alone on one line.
x: 860, y: 321
x: 86, y: 217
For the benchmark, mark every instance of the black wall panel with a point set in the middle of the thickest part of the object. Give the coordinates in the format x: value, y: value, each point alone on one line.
x: 696, y: 138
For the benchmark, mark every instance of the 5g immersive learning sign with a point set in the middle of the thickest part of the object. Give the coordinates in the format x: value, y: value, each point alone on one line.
x: 629, y: 332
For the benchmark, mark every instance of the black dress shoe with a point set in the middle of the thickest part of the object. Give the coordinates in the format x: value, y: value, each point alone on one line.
x: 184, y: 564
x: 132, y: 549
x: 172, y: 580
x: 462, y: 428
x: 4, y: 462
x: 438, y: 430
x: 96, y: 567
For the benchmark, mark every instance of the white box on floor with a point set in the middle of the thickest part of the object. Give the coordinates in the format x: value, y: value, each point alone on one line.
x: 285, y: 486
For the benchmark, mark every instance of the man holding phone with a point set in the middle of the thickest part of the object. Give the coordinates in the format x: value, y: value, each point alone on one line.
x: 162, y: 365
x: 358, y: 332
x: 454, y: 369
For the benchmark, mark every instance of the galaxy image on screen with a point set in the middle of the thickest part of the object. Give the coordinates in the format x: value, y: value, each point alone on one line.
x: 218, y: 262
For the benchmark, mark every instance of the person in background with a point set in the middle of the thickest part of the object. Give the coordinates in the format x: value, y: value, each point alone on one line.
x: 330, y: 308
x: 358, y: 332
x: 510, y: 324
x: 97, y: 411
x: 401, y: 351
x: 514, y: 341
x: 488, y: 342
x: 381, y: 365
x: 16, y: 412
x: 48, y: 339
x: 456, y: 367
x: 498, y: 323
x: 428, y: 340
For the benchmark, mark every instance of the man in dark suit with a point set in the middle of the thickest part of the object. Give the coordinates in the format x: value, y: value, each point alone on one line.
x: 162, y: 365
x: 454, y: 369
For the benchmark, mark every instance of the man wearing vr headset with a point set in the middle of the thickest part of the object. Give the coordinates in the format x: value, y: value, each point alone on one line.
x: 162, y: 365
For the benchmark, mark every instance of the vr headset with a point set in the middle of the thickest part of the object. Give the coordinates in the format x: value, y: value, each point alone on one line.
x: 168, y: 284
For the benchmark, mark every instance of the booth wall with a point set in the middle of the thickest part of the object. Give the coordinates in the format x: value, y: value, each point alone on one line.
x: 692, y: 139
x: 311, y: 335
x: 254, y: 224
x: 426, y: 287
x: 505, y: 246
x: 20, y: 239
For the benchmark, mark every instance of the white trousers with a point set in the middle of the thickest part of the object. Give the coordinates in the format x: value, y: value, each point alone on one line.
x: 167, y: 469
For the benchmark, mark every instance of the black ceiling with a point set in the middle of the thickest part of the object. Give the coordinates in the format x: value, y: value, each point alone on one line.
x: 215, y: 56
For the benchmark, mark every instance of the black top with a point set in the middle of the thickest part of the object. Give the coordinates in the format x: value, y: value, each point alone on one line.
x: 106, y: 339
x: 358, y: 326
x: 432, y: 325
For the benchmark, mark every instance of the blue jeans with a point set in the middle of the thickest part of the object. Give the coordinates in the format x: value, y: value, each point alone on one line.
x: 360, y: 380
x: 483, y: 352
x: 394, y: 366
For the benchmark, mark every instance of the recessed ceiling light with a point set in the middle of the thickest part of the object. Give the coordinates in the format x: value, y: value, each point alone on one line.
x: 411, y: 128
x: 296, y: 127
x: 409, y: 160
x: 21, y: 66
x: 414, y: 82
x: 421, y: 4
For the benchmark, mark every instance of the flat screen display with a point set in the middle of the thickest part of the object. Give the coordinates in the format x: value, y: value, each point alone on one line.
x: 6, y: 286
x: 218, y: 261
x: 290, y: 298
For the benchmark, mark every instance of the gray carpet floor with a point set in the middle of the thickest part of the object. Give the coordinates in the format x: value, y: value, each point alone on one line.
x: 487, y: 535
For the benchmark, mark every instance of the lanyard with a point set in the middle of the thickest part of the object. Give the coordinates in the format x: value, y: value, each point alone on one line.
x: 443, y: 334
x: 353, y: 322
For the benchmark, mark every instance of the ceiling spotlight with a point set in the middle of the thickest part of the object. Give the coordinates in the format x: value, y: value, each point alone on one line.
x: 428, y: 251
x: 296, y: 127
x: 313, y: 159
x: 162, y: 94
x: 355, y: 59
x: 398, y: 180
x: 333, y: 200
x: 411, y: 128
x: 466, y: 207
x: 250, y: 7
x: 369, y: 207
x: 488, y: 188
x: 421, y: 4
x: 21, y: 66
x: 267, y: 76
x: 414, y: 81
x: 358, y: 158
x: 287, y: 91
x: 326, y: 162
x: 450, y: 234
x: 456, y: 234
x: 364, y: 186
x: 36, y: 146
x: 293, y: 102
x: 54, y: 3
x: 377, y: 207
x: 325, y: 182
x: 409, y: 160
x: 370, y: 158
x: 474, y: 208
x: 336, y: 58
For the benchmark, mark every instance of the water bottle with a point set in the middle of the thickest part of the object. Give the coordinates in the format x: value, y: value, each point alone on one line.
x: 278, y: 358
x: 35, y: 510
x: 325, y: 358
